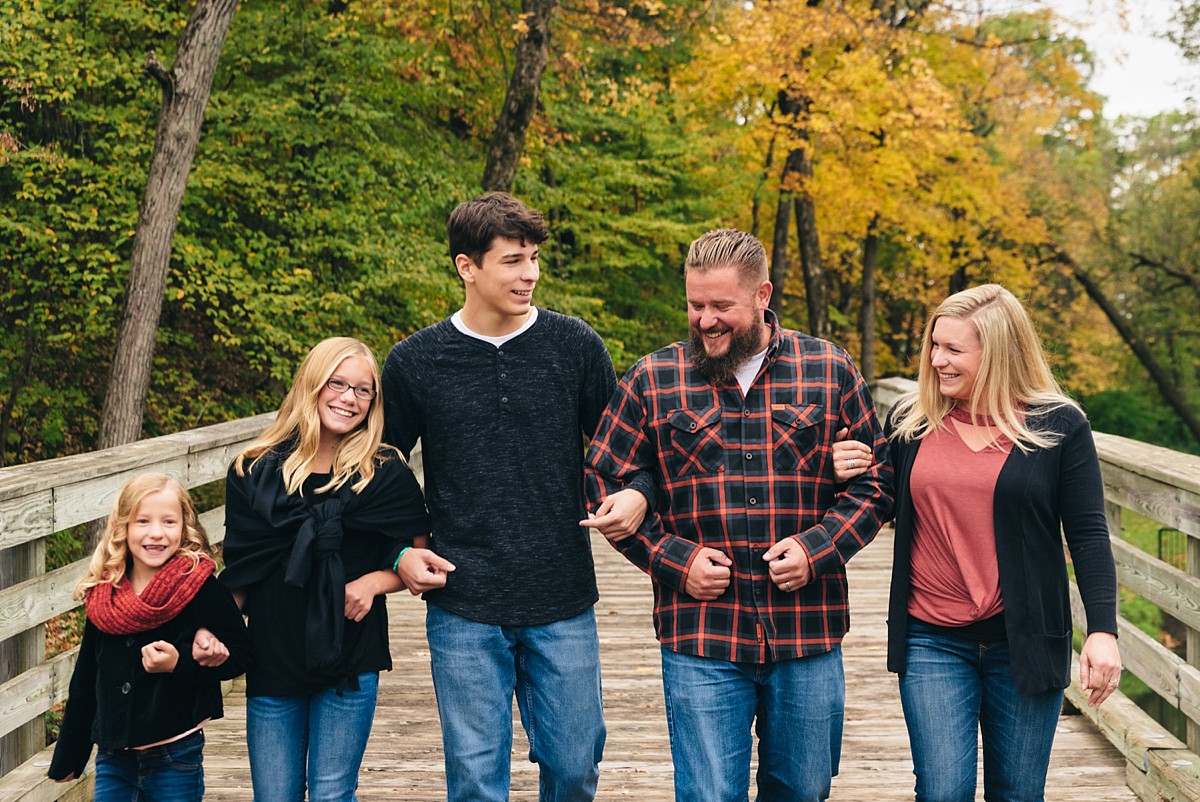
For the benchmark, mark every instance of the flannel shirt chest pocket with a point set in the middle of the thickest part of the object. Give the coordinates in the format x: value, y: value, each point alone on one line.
x: 696, y: 446
x: 795, y: 435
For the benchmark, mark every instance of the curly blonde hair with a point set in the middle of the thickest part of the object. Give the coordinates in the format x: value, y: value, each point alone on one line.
x: 110, y: 560
x: 1014, y: 385
x: 299, y: 422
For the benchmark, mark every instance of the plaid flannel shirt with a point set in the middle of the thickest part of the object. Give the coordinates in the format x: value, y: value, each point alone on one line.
x: 738, y: 473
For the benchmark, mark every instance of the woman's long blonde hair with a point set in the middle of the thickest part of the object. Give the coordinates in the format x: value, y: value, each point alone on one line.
x: 298, y: 422
x: 110, y: 560
x: 1014, y: 384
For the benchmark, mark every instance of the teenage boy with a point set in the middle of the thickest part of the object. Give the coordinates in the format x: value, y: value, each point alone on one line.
x: 502, y: 395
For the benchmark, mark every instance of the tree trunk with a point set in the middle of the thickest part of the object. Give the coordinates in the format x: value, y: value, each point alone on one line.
x: 866, y: 312
x: 779, y: 255
x: 508, y: 140
x: 185, y: 95
x: 1169, y: 390
x: 810, y: 252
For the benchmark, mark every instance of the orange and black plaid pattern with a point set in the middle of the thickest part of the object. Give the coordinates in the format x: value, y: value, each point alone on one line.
x: 738, y: 474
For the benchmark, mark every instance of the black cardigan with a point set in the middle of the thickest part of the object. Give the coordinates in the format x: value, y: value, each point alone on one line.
x: 1039, y: 496
x: 113, y: 701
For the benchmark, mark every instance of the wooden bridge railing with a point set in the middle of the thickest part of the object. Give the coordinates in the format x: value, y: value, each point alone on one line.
x: 41, y: 499
x: 1163, y: 485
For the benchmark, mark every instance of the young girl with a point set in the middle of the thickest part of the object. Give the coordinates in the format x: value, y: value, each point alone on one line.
x: 136, y: 691
x: 317, y: 514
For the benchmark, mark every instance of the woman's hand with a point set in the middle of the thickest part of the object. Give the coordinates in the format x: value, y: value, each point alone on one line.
x: 850, y: 457
x: 1099, y: 666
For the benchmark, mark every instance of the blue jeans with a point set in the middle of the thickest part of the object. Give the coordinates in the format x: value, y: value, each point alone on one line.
x: 955, y: 688
x: 169, y: 773
x: 795, y: 706
x: 554, y: 669
x: 316, y: 740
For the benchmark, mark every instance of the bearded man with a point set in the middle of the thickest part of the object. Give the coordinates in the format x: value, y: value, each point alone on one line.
x: 749, y: 533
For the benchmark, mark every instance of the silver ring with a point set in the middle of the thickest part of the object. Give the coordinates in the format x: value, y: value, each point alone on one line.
x: 850, y: 463
x: 787, y: 585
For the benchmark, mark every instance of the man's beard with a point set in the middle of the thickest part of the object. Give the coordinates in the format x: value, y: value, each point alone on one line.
x: 743, y: 344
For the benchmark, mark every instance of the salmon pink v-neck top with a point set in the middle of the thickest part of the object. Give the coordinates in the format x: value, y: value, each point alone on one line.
x: 955, y: 576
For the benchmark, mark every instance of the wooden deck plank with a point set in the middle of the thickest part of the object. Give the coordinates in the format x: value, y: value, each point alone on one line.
x: 404, y: 761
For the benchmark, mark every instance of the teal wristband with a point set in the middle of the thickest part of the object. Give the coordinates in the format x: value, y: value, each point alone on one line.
x: 399, y: 557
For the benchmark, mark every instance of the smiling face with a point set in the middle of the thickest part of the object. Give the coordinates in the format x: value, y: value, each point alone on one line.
x: 153, y: 535
x: 725, y: 313
x: 500, y: 288
x: 955, y: 353
x: 342, y: 413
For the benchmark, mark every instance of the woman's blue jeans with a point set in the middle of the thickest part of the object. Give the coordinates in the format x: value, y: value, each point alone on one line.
x: 169, y: 773
x: 952, y: 690
x: 796, y: 707
x: 316, y: 740
x: 554, y: 669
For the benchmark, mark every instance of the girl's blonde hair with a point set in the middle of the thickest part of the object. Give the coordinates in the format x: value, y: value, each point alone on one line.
x: 299, y: 422
x: 110, y: 560
x: 1014, y: 384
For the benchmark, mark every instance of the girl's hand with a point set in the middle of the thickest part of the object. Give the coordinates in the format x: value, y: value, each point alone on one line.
x: 360, y: 596
x: 159, y: 657
x: 208, y: 650
x: 422, y: 570
x: 67, y: 779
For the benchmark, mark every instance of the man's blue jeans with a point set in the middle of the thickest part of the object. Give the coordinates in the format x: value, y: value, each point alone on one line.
x: 169, y: 773
x: 955, y: 688
x: 316, y: 740
x: 554, y: 669
x: 795, y: 706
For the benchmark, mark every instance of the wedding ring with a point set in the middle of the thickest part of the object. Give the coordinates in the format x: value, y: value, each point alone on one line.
x: 850, y: 463
x: 787, y: 585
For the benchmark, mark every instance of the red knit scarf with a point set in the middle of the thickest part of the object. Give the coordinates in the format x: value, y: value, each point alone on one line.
x: 117, y: 610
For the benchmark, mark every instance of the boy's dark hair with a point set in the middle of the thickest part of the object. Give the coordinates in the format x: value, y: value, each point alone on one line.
x: 475, y: 224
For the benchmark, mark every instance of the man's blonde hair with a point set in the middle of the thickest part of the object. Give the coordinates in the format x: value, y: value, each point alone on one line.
x: 728, y: 247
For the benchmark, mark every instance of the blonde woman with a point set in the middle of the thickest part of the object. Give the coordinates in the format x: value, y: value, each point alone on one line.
x: 318, y: 511
x: 136, y: 691
x: 991, y: 462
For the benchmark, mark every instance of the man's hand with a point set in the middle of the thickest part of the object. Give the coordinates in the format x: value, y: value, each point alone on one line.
x: 708, y: 575
x: 422, y: 570
x: 159, y: 657
x: 850, y: 457
x: 208, y: 650
x: 619, y: 515
x: 787, y: 563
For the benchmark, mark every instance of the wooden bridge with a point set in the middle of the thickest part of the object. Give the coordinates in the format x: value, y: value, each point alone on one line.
x: 1114, y: 753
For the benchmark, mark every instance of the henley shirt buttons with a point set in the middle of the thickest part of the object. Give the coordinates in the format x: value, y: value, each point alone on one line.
x: 503, y: 399
x: 126, y: 687
x: 504, y: 375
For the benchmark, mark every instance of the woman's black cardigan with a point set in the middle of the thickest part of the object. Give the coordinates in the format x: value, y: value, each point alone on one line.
x: 1040, y: 495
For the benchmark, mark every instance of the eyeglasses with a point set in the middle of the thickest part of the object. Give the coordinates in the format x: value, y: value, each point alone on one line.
x: 339, y: 387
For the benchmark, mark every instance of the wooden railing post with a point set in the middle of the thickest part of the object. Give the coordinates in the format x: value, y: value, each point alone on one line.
x: 21, y: 653
x: 1193, y: 638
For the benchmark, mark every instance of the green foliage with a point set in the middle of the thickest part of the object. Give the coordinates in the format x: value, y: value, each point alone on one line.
x: 337, y: 141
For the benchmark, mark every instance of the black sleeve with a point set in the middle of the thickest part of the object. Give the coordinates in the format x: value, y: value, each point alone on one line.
x: 401, y: 413
x: 214, y: 608
x: 74, y: 745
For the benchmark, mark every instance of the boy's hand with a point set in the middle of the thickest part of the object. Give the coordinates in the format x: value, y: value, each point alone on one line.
x: 159, y: 657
